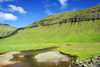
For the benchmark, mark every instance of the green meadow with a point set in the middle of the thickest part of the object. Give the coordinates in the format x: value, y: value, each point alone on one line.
x: 81, y: 51
x: 23, y: 47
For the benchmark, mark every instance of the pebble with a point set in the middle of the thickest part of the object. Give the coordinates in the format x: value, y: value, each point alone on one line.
x: 95, y: 56
x: 85, y: 65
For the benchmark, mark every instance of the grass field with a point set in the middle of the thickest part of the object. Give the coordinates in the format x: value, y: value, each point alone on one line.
x: 24, y: 47
x: 82, y: 51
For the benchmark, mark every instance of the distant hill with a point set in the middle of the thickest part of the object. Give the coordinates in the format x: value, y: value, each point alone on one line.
x: 5, y: 29
x: 80, y: 26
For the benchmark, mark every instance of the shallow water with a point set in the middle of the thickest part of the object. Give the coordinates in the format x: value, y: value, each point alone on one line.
x: 29, y: 61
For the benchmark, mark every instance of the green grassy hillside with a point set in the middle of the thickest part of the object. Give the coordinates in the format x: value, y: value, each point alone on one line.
x: 85, y: 32
x: 6, y: 30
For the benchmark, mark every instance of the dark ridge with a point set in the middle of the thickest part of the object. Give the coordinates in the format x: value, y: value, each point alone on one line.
x: 71, y: 20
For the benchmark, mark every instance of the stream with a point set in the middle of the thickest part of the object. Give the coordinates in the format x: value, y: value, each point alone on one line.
x: 26, y: 59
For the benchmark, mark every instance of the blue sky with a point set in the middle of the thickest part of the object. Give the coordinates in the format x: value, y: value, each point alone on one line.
x: 20, y: 13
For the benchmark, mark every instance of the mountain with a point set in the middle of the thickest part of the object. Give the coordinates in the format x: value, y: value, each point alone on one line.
x: 79, y: 15
x: 79, y: 26
x: 5, y: 30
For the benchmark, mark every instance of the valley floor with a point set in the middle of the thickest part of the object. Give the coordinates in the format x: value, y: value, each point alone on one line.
x: 82, y: 51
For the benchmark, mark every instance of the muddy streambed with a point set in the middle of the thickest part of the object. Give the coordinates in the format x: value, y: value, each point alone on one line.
x: 33, y: 59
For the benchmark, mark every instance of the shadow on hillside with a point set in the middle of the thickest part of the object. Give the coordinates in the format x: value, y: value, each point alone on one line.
x: 13, y: 33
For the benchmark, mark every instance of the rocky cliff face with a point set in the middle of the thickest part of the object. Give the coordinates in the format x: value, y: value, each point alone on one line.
x: 71, y: 20
x: 92, y: 13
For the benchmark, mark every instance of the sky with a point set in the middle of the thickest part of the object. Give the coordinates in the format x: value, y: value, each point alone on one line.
x: 20, y: 13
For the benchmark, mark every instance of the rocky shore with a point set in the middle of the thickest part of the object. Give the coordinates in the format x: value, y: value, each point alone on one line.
x: 95, y: 62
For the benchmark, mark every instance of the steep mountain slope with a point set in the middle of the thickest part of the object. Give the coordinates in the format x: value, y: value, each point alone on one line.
x: 78, y: 15
x: 5, y: 29
x: 80, y: 26
x: 85, y: 32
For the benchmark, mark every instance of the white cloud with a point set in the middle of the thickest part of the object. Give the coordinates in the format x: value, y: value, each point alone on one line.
x: 14, y: 8
x: 63, y: 3
x: 5, y: 0
x: 49, y: 12
x: 7, y: 16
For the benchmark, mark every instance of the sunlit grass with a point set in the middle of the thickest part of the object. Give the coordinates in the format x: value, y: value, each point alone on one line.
x: 82, y: 51
x: 25, y: 47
